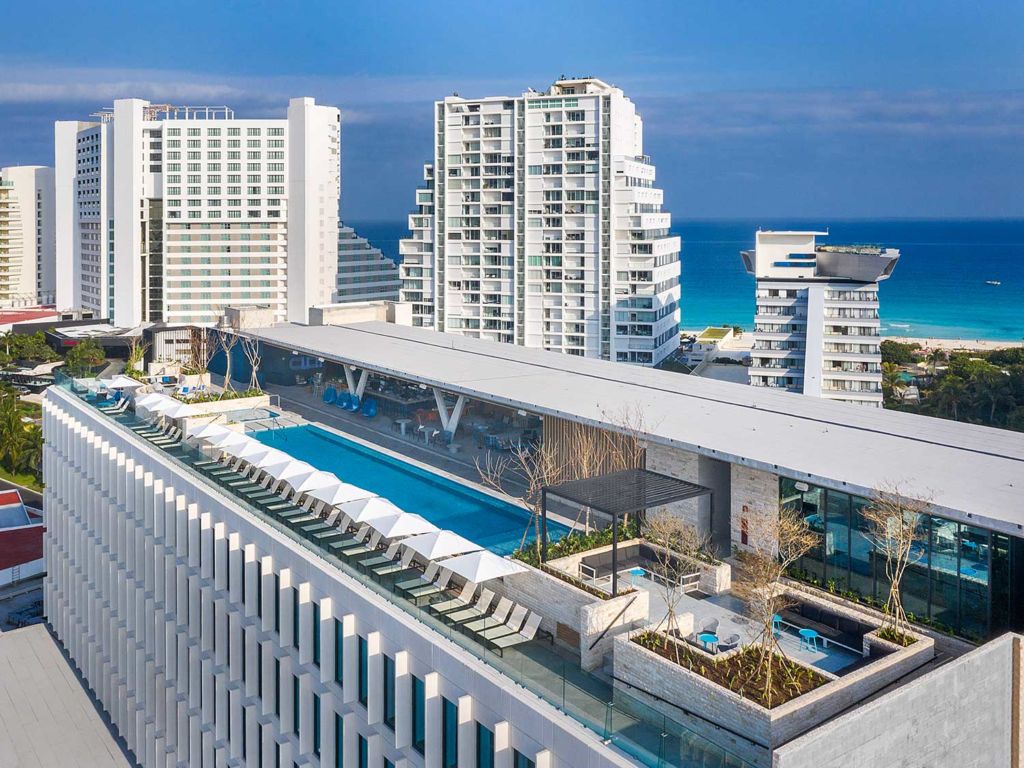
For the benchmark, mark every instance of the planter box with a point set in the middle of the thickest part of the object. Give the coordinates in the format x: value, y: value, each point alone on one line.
x: 646, y: 671
x: 576, y: 618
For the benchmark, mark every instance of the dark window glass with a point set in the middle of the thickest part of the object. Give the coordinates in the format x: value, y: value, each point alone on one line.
x: 339, y: 651
x: 389, y: 691
x: 449, y: 734
x: 316, y: 724
x: 364, y: 671
x: 316, y: 634
x: 837, y: 540
x: 974, y: 582
x: 339, y: 742
x: 295, y: 617
x: 295, y: 704
x: 364, y: 753
x: 484, y: 747
x: 277, y: 603
x: 277, y: 687
x: 521, y: 761
x: 419, y: 714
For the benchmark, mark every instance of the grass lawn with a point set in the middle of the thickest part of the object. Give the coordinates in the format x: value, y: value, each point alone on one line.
x: 21, y: 479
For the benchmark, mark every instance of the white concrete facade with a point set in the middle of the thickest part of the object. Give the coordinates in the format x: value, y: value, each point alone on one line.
x: 816, y: 324
x: 539, y: 225
x: 364, y: 273
x: 179, y: 608
x: 194, y: 210
x: 27, y: 244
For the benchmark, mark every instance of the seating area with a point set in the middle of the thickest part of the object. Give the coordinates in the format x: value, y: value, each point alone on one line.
x: 636, y: 560
x: 433, y: 569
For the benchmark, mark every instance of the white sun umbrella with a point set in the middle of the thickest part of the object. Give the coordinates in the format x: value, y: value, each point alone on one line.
x: 316, y: 480
x: 290, y: 470
x: 254, y: 450
x: 269, y: 459
x: 181, y: 411
x: 438, y: 544
x: 230, y: 443
x: 401, y: 525
x: 121, y: 382
x: 340, y: 493
x: 482, y: 566
x: 207, y: 431
x: 364, y: 510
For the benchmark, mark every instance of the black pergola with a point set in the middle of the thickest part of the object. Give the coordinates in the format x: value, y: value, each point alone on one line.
x: 626, y: 492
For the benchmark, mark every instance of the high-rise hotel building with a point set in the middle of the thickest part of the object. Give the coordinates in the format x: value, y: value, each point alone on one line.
x: 169, y: 214
x: 816, y: 328
x: 26, y: 236
x: 539, y: 225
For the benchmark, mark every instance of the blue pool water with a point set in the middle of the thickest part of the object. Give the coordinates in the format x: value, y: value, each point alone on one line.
x: 489, y: 522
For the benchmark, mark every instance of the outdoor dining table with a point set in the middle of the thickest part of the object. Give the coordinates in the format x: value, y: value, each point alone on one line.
x: 809, y: 639
x: 708, y: 640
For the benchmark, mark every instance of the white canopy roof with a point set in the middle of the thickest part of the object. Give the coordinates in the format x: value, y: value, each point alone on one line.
x: 340, y: 493
x: 401, y: 525
x: 120, y: 381
x: 316, y: 480
x: 230, y: 442
x: 153, y: 399
x: 235, y: 447
x: 438, y: 544
x: 162, y: 406
x: 181, y: 410
x: 271, y: 458
x: 364, y: 510
x: 254, y: 450
x: 482, y: 566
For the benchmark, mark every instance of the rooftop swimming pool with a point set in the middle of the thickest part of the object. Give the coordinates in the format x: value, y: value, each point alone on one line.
x: 490, y: 522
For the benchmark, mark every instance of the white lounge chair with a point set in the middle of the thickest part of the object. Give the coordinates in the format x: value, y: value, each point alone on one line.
x: 463, y: 600
x: 497, y: 618
x: 476, y: 611
x: 513, y: 625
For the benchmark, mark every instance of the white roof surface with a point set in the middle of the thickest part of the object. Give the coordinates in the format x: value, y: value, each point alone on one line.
x: 46, y: 716
x: 962, y: 468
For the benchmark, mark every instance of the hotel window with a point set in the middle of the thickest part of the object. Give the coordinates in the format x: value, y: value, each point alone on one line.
x: 213, y: 131
x: 364, y: 671
x: 339, y: 648
x: 316, y: 724
x: 252, y: 132
x: 277, y: 603
x: 275, y: 131
x: 295, y: 617
x: 389, y: 691
x: 277, y: 687
x: 449, y: 734
x: 259, y: 589
x: 193, y: 132
x: 520, y: 760
x: 364, y: 753
x: 295, y: 704
x: 339, y: 741
x: 484, y: 747
x: 233, y: 131
x: 316, y: 633
x: 419, y: 714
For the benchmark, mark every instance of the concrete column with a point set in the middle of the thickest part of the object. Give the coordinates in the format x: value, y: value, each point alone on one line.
x: 467, y: 731
x: 503, y: 753
x: 432, y: 720
x: 403, y: 695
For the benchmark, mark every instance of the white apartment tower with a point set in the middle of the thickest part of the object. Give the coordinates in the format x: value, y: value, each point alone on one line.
x: 170, y: 214
x: 539, y: 225
x: 816, y: 328
x: 26, y: 236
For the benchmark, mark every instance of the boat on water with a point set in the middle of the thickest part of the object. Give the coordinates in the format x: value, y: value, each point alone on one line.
x: 993, y: 282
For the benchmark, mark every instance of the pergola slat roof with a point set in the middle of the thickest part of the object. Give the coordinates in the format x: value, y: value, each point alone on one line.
x: 627, y: 491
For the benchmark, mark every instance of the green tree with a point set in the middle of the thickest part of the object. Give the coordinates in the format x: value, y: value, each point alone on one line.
x: 898, y: 352
x: 992, y: 388
x: 83, y: 357
x: 949, y: 394
x: 892, y: 384
x: 935, y: 357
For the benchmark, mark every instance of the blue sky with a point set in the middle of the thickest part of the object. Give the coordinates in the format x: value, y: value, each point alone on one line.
x: 751, y: 109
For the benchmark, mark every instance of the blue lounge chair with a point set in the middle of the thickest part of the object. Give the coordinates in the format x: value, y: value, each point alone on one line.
x: 353, y: 404
x: 343, y: 400
x: 370, y: 408
x: 330, y: 395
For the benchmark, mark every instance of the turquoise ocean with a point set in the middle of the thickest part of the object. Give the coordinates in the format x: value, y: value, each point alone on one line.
x: 938, y: 289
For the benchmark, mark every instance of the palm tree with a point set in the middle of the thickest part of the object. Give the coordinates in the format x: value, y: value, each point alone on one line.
x: 935, y: 357
x: 950, y: 393
x: 992, y: 387
x: 892, y: 384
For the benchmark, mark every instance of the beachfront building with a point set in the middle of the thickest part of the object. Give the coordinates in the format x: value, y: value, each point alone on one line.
x: 816, y: 325
x: 27, y: 260
x: 539, y: 224
x: 169, y: 214
x: 249, y: 595
x: 364, y: 273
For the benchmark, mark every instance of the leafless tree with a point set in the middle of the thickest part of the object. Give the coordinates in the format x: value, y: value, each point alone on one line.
x: 779, y: 538
x: 251, y: 348
x: 137, y: 349
x: 200, y: 350
x: 895, y: 528
x: 676, y: 546
x: 226, y: 342
x: 578, y: 451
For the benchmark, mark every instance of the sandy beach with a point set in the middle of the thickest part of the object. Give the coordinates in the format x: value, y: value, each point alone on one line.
x: 980, y: 345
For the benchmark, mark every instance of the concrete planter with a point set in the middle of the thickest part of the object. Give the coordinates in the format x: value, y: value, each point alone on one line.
x: 577, y: 619
x: 666, y: 682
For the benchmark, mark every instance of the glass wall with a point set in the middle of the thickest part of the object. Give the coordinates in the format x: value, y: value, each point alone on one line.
x: 964, y: 579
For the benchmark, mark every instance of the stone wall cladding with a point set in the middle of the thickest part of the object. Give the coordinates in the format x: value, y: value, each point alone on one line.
x: 682, y: 465
x: 752, y: 490
x: 957, y: 715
